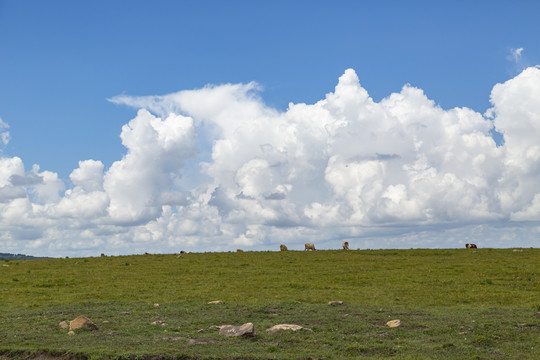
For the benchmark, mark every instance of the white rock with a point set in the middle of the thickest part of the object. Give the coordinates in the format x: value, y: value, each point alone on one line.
x: 335, y: 302
x: 82, y: 322
x: 243, y: 330
x: 286, y: 327
x: 63, y: 325
x: 393, y: 323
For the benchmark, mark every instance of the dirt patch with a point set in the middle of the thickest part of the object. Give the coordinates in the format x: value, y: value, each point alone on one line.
x: 415, y: 327
x: 53, y: 355
x: 41, y: 355
x: 173, y: 338
x: 411, y: 315
x: 528, y: 326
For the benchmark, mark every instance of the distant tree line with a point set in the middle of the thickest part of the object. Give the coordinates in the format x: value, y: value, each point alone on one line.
x: 6, y: 256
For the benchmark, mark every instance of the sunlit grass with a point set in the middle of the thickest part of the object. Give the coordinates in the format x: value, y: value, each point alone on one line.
x: 453, y: 303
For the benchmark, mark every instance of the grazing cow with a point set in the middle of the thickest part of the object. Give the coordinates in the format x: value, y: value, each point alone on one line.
x: 309, y: 246
x: 471, y: 246
x: 182, y: 252
x: 282, y: 247
x: 239, y: 250
x: 345, y: 245
x: 102, y: 255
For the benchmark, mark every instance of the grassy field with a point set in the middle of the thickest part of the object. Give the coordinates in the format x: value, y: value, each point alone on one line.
x: 453, y: 304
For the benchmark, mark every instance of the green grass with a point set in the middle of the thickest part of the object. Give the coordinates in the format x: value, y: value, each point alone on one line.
x: 453, y: 304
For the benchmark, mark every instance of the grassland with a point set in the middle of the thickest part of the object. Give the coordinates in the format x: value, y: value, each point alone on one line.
x: 453, y: 304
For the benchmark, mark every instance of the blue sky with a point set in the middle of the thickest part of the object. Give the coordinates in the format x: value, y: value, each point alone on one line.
x: 68, y: 67
x: 63, y: 59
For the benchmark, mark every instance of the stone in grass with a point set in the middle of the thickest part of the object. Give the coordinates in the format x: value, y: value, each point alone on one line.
x: 290, y: 327
x: 335, y: 302
x: 63, y: 325
x: 82, y: 322
x: 393, y: 323
x: 215, y: 302
x: 243, y: 330
x: 158, y: 322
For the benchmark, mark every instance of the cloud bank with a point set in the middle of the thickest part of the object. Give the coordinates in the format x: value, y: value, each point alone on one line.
x: 216, y: 169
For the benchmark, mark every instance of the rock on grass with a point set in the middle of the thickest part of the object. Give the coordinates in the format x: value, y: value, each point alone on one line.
x: 82, y: 322
x: 243, y: 330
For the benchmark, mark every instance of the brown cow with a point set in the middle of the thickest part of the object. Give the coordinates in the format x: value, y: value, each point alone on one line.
x: 345, y: 245
x: 471, y: 246
x: 239, y: 250
x: 282, y: 247
x: 309, y: 246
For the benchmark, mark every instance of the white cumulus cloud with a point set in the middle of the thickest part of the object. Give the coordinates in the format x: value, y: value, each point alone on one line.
x: 216, y: 168
x: 516, y: 54
x: 157, y: 150
x: 4, y: 133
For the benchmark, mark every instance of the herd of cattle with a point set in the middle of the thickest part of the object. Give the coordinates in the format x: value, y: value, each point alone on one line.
x: 345, y: 245
x: 307, y: 246
x: 311, y: 246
